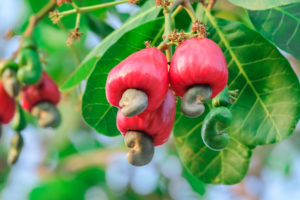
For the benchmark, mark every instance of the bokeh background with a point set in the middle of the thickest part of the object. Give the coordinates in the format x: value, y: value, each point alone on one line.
x: 74, y: 162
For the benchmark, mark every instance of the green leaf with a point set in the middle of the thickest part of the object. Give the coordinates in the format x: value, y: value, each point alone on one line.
x: 281, y: 25
x: 96, y: 111
x: 147, y: 13
x: 59, y: 188
x: 197, y: 185
x: 99, y: 27
x: 266, y: 110
x: 261, y: 4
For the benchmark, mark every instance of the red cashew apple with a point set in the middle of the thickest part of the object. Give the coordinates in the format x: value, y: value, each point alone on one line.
x: 41, y: 100
x: 45, y: 90
x: 7, y: 106
x: 198, y: 72
x: 146, y: 130
x: 138, y: 83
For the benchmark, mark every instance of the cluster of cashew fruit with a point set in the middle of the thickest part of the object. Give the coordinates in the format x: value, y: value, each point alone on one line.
x: 139, y: 87
x: 24, y: 86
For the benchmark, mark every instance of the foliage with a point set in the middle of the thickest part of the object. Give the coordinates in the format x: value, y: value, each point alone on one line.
x: 265, y: 110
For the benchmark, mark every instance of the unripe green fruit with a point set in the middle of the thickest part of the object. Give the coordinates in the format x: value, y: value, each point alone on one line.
x: 30, y: 69
x: 213, y: 129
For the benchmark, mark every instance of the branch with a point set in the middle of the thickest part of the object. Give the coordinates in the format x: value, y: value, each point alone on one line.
x: 168, y: 23
x: 211, y: 4
x: 190, y: 10
x: 36, y: 18
x: 91, y: 8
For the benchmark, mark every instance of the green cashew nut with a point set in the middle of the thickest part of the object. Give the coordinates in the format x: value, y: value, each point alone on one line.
x: 142, y: 148
x: 17, y: 143
x: 19, y: 122
x: 192, y: 101
x: 30, y: 69
x: 222, y: 99
x: 212, y: 132
x: 47, y: 114
x: 133, y: 102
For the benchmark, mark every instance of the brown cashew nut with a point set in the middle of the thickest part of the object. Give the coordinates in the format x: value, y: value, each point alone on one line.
x: 142, y: 148
x: 11, y: 84
x: 17, y: 143
x: 192, y: 101
x: 133, y: 102
x: 47, y: 114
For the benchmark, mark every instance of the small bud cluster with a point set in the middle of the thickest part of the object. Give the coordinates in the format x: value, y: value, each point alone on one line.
x: 74, y: 35
x: 162, y: 3
x: 148, y: 44
x: 200, y: 28
x: 176, y: 37
x: 60, y: 2
x: 55, y: 16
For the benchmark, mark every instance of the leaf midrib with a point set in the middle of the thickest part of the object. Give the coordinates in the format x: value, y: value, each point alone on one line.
x: 104, y: 114
x: 241, y: 69
x: 287, y: 14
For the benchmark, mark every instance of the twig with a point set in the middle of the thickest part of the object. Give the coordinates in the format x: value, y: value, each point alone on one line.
x: 168, y: 54
x: 190, y: 10
x: 211, y: 4
x: 178, y: 9
x: 91, y: 8
x: 36, y: 18
x: 77, y: 20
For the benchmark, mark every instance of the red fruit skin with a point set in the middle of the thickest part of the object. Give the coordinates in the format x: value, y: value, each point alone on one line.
x: 7, y: 106
x: 158, y: 124
x: 45, y: 90
x: 198, y: 61
x: 146, y: 70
